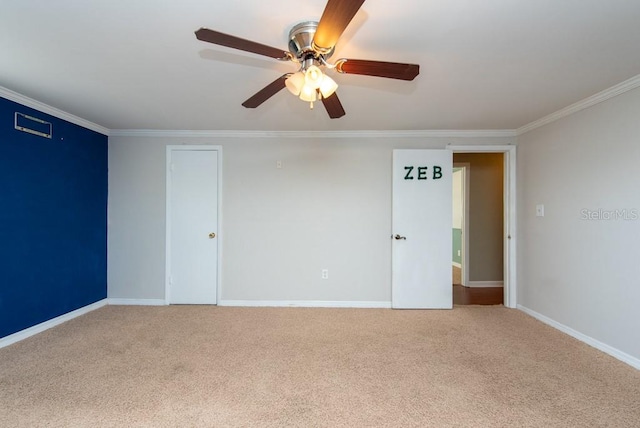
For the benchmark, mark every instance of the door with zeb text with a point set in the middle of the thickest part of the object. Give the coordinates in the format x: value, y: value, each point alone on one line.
x: 421, y: 229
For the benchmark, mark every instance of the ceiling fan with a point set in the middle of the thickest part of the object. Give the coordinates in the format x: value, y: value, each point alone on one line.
x: 311, y: 44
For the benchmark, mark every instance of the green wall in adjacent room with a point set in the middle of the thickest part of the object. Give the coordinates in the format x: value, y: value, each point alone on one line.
x: 457, y: 246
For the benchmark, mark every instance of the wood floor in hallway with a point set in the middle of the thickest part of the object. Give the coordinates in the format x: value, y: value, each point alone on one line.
x: 477, y: 296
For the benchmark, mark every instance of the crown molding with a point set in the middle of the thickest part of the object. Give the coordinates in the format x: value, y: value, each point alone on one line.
x: 605, y: 95
x: 45, y: 108
x: 500, y: 133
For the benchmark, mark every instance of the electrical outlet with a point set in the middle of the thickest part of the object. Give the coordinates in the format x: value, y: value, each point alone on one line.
x: 540, y: 210
x: 279, y: 164
x: 458, y: 253
x: 325, y: 273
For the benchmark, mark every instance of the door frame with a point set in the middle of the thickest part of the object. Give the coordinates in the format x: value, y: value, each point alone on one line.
x: 174, y: 148
x: 509, y: 215
x: 466, y: 183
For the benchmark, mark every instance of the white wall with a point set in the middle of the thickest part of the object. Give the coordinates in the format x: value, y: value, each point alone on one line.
x: 583, y: 274
x: 329, y: 207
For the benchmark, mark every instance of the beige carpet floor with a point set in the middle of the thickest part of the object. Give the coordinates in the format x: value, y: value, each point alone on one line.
x: 182, y: 366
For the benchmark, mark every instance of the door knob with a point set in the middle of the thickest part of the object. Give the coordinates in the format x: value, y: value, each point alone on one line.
x: 212, y: 235
x: 398, y: 237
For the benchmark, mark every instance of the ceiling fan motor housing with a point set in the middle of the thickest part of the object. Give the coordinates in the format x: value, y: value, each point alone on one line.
x: 301, y: 42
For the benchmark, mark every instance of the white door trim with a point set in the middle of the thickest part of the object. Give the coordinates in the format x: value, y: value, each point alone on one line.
x: 510, y: 238
x: 170, y: 149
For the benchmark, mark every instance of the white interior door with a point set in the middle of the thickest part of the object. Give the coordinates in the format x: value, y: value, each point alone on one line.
x: 192, y: 226
x: 422, y: 222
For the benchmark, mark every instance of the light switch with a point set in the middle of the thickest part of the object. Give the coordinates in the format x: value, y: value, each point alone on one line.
x: 540, y: 210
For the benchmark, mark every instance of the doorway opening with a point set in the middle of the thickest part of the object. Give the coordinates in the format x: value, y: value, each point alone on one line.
x: 460, y: 223
x: 484, y: 225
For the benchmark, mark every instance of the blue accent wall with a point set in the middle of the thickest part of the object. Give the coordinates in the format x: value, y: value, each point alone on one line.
x: 53, y: 220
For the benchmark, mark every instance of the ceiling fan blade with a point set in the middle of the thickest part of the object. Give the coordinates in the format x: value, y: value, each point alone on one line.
x: 215, y: 37
x: 267, y: 92
x: 391, y: 70
x: 335, y: 18
x: 333, y: 106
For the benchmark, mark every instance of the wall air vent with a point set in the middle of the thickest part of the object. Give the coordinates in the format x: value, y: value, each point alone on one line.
x: 33, y: 125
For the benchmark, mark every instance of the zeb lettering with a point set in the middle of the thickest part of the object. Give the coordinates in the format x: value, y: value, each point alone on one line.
x: 423, y: 172
x: 437, y: 173
x: 408, y: 176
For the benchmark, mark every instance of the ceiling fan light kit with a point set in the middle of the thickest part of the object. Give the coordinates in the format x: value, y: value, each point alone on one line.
x: 309, y: 83
x: 311, y: 44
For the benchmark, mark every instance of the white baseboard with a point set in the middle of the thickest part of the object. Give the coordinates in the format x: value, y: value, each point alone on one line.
x: 455, y: 264
x: 305, y: 304
x: 481, y: 284
x: 615, y: 353
x: 137, y: 302
x: 39, y: 328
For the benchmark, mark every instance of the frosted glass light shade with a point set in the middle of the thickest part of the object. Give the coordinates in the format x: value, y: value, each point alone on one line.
x: 295, y: 82
x: 313, y: 77
x: 328, y: 86
x: 308, y: 94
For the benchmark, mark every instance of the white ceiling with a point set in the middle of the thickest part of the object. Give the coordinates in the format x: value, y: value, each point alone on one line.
x: 490, y: 64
